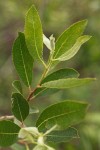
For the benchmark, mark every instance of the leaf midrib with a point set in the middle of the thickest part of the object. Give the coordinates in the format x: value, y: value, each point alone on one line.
x: 24, y: 65
x: 58, y: 116
x: 68, y: 53
x: 35, y: 41
x: 86, y: 80
x: 19, y: 111
x: 60, y: 47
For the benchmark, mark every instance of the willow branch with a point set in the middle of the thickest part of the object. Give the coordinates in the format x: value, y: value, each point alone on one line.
x: 7, y: 117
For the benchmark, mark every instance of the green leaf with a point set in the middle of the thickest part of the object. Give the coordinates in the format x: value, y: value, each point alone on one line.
x: 22, y: 60
x: 63, y: 114
x: 62, y: 135
x: 44, y: 91
x: 67, y: 83
x: 34, y: 34
x: 71, y: 52
x: 39, y: 91
x: 17, y: 85
x: 8, y: 133
x: 68, y: 38
x: 61, y: 74
x: 20, y: 107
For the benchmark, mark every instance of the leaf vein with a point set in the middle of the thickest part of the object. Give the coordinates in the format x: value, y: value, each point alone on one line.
x: 58, y: 116
x: 24, y: 66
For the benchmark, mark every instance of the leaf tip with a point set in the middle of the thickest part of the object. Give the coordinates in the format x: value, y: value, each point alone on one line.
x: 32, y: 8
x: 85, y: 21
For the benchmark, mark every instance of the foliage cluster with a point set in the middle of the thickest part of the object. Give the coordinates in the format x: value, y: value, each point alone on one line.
x: 56, y: 122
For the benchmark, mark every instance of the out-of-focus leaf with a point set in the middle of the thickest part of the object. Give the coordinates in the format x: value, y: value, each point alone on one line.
x: 20, y: 107
x: 33, y: 110
x: 43, y: 147
x: 8, y: 133
x: 22, y: 60
x: 17, y: 85
x: 63, y: 114
x: 27, y: 131
x: 62, y: 135
x: 18, y: 147
x: 39, y: 147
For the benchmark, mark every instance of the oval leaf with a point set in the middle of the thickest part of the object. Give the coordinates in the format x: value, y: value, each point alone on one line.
x: 8, y: 133
x: 34, y: 34
x: 62, y: 135
x: 63, y: 114
x: 61, y: 74
x: 20, y: 107
x: 22, y: 60
x: 17, y: 85
x: 68, y: 38
x: 71, y: 52
x: 67, y: 83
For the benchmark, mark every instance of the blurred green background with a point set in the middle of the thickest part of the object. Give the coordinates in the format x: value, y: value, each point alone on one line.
x: 56, y: 16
